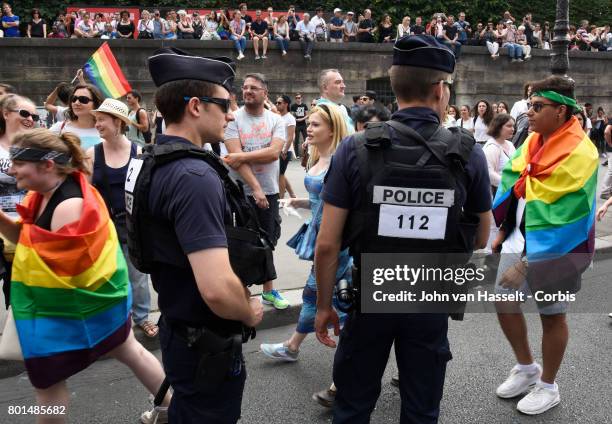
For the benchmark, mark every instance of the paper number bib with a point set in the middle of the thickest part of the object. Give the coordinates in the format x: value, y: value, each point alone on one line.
x: 130, y: 182
x: 413, y: 222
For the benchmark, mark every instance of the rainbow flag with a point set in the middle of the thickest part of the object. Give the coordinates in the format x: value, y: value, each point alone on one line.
x: 70, y: 291
x: 105, y: 73
x: 560, y: 180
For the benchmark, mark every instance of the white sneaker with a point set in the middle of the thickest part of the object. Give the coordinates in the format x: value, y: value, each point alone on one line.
x: 518, y: 382
x: 157, y: 415
x: 257, y: 57
x: 539, y: 400
x: 284, y: 52
x: 278, y: 351
x: 263, y: 56
x: 240, y: 56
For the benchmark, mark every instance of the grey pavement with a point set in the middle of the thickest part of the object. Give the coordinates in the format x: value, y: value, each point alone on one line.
x: 281, y: 392
x: 293, y: 272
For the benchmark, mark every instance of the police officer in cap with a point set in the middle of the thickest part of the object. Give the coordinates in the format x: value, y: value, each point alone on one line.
x: 421, y: 80
x: 199, y: 294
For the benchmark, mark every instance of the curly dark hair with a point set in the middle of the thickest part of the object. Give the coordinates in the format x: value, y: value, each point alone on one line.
x: 562, y: 85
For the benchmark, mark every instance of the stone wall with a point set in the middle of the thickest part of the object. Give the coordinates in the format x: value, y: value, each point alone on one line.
x: 35, y: 66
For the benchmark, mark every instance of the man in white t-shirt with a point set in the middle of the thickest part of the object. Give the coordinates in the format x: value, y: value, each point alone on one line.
x: 320, y: 26
x: 254, y: 141
x: 306, y: 31
x: 522, y: 106
x: 282, y: 106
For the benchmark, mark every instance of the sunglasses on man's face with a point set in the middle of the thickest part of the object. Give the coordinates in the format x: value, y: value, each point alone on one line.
x: 82, y: 99
x: 25, y: 114
x: 224, y: 104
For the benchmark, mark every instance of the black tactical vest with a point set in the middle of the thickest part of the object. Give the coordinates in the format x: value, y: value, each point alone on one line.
x: 249, y: 247
x: 410, y: 192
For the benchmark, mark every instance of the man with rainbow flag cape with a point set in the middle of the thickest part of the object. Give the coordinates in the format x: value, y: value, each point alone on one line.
x: 545, y: 205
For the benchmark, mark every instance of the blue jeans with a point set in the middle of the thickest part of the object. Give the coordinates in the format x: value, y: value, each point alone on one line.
x: 515, y: 51
x: 239, y: 43
x: 283, y: 43
x: 456, y: 48
x: 307, y: 45
x: 141, y: 301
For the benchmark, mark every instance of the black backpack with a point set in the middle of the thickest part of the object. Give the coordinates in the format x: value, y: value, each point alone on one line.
x: 249, y: 246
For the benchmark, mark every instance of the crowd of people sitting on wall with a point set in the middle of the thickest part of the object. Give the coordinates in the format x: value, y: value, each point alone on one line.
x: 519, y: 37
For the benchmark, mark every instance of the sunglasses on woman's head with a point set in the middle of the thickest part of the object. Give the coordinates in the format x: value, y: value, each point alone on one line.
x: 25, y: 114
x: 82, y: 99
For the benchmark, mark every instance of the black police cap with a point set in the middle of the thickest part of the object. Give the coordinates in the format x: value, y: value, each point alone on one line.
x: 423, y: 51
x: 172, y: 64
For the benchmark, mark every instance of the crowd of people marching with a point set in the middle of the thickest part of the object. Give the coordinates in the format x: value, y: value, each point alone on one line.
x: 75, y: 237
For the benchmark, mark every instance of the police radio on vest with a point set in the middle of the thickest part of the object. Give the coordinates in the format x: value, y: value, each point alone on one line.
x: 414, y: 196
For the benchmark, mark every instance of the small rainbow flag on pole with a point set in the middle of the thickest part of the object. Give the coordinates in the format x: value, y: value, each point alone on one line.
x: 104, y: 71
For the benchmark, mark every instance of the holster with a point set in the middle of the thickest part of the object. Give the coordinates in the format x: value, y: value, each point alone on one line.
x: 220, y: 358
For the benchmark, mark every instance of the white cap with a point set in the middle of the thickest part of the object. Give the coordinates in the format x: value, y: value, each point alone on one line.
x: 116, y: 108
x: 337, y: 9
x: 350, y: 13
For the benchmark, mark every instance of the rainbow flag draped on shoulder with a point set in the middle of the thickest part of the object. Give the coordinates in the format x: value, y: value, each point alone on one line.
x: 70, y: 290
x: 559, y: 180
x: 104, y: 72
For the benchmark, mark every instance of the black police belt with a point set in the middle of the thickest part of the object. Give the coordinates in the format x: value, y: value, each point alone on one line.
x: 203, y: 338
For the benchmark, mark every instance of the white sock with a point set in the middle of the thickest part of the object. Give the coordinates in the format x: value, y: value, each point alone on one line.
x: 526, y: 368
x: 552, y: 386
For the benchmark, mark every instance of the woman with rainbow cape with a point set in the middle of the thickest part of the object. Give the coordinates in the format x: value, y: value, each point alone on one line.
x: 70, y: 293
x: 545, y: 206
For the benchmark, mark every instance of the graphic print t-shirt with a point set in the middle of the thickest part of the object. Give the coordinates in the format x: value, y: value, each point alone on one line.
x: 256, y: 133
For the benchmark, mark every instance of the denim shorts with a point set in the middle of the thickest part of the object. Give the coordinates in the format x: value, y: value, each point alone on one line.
x: 505, y: 262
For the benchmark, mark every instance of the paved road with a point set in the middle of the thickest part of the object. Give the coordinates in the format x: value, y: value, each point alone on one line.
x: 280, y: 393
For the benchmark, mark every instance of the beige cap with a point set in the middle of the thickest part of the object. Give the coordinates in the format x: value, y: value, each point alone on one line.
x: 116, y: 108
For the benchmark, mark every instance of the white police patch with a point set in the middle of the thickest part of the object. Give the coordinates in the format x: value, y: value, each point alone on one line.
x: 412, y: 222
x: 414, y: 196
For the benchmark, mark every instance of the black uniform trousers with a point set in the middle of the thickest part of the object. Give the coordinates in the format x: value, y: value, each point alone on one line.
x: 421, y: 350
x: 188, y: 405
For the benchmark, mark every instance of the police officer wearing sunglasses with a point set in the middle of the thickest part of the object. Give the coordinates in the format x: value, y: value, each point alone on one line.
x: 377, y: 182
x: 200, y: 297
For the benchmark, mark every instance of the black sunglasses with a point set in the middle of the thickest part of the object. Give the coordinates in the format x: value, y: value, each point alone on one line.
x: 25, y: 114
x: 537, y: 107
x: 82, y: 99
x: 224, y: 103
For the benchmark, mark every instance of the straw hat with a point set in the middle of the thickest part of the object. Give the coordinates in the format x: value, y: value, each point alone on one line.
x: 115, y: 108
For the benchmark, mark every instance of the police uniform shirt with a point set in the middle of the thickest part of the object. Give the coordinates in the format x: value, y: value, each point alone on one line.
x: 187, y: 199
x: 343, y: 187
